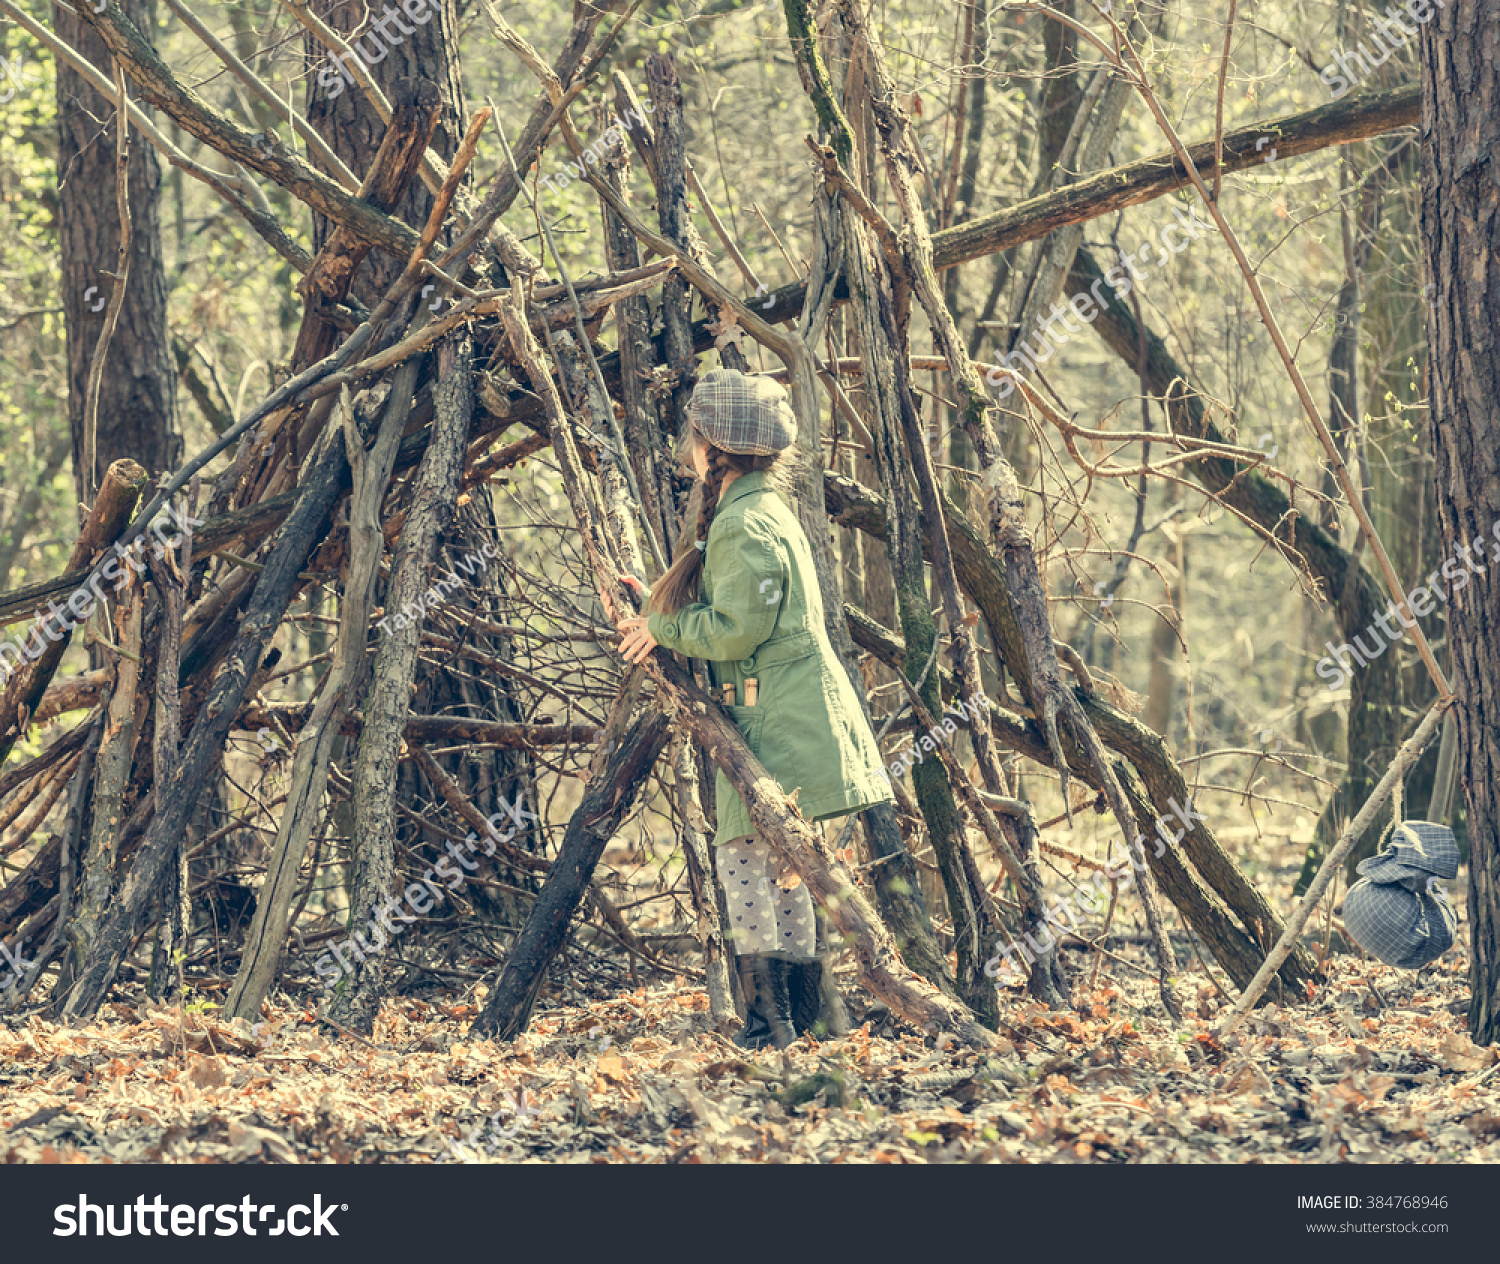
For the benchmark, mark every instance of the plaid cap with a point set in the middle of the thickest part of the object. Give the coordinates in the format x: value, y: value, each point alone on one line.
x: 739, y: 413
x: 1397, y: 911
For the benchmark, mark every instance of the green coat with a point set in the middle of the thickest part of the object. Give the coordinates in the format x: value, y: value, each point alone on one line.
x: 761, y: 615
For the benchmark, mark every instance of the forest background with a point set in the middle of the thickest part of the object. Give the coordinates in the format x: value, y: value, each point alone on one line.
x: 1199, y: 557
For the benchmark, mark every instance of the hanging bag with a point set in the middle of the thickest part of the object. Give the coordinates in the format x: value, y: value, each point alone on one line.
x: 1397, y: 911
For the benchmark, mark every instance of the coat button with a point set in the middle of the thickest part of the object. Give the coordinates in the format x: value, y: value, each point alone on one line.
x: 747, y: 664
x: 670, y: 628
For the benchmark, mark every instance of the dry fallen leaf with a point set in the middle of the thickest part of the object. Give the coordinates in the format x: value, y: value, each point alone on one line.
x: 246, y: 1142
x: 208, y: 1073
x: 1458, y: 1053
x: 1249, y: 1079
x: 1102, y: 1084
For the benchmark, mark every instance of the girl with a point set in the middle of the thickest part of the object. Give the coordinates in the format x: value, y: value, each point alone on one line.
x: 745, y: 597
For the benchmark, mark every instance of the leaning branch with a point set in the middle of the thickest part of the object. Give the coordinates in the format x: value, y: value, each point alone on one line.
x: 160, y: 87
x: 1405, y: 758
x: 1357, y: 117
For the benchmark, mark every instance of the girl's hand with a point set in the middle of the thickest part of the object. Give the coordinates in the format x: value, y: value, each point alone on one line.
x: 631, y: 582
x: 636, y: 642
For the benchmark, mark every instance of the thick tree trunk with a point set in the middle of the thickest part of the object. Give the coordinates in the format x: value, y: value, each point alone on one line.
x: 1461, y: 132
x: 344, y: 117
x: 137, y: 411
x: 112, y: 773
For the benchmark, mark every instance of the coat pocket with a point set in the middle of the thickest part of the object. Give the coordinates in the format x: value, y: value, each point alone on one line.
x: 733, y: 814
x: 781, y: 650
x: 751, y: 722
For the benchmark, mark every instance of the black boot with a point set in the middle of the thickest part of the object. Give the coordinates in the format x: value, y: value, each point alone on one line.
x: 756, y: 1033
x: 767, y: 1003
x: 816, y: 1004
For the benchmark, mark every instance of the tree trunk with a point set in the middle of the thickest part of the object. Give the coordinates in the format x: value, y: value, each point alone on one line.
x: 344, y: 117
x: 389, y: 699
x: 137, y: 410
x: 843, y: 251
x: 1461, y: 116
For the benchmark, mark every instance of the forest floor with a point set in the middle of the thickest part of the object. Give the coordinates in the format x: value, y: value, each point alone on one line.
x: 1373, y: 1066
x: 1345, y: 1076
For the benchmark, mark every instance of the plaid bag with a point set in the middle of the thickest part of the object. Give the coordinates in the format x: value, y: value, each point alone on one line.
x: 1397, y: 911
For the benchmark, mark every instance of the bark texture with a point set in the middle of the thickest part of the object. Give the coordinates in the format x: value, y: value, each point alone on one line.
x: 610, y: 796
x: 389, y: 700
x: 137, y: 404
x: 1461, y: 229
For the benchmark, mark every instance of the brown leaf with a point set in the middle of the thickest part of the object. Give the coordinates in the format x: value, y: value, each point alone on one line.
x: 208, y: 1073
x: 1249, y: 1079
x: 1458, y: 1053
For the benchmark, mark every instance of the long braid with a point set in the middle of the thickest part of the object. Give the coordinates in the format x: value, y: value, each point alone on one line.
x: 718, y: 469
x: 679, y: 585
